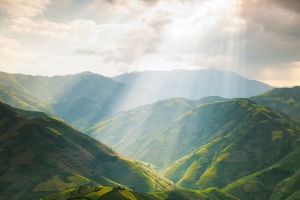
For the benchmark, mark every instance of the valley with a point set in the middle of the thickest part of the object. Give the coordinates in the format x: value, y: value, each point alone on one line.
x: 92, y: 137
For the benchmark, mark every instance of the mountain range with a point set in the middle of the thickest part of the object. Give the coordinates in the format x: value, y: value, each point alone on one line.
x: 213, y: 147
x: 204, y: 143
x: 80, y: 99
x: 195, y: 84
x: 85, y: 98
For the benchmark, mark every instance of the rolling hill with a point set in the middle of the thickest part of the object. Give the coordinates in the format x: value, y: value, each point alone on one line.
x: 153, y: 132
x: 100, y: 192
x: 210, y: 144
x: 286, y: 100
x: 195, y: 84
x: 41, y: 155
x: 263, y: 144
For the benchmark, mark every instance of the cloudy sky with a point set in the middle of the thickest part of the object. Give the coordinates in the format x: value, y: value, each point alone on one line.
x: 259, y: 39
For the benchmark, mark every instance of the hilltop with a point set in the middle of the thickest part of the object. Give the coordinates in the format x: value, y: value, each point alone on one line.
x: 286, y: 100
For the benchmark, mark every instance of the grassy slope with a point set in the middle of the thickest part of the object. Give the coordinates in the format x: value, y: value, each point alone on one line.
x: 151, y: 133
x: 40, y: 155
x: 100, y: 192
x: 279, y: 181
x: 286, y: 100
x: 259, y: 138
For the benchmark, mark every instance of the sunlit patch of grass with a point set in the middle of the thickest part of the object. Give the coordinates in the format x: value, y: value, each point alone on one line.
x: 160, y: 195
x: 259, y: 109
x: 190, y: 173
x: 223, y: 156
x: 291, y: 132
x: 68, y: 190
x: 290, y: 100
x: 211, y: 172
x: 99, y: 193
x: 128, y: 194
x: 276, y: 135
x: 203, y: 151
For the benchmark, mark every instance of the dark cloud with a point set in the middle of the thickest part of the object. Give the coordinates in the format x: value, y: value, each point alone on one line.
x: 272, y: 32
x: 271, y: 17
x: 270, y: 48
x: 293, y: 5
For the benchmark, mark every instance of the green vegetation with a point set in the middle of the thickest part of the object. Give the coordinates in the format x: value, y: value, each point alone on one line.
x: 120, y: 193
x: 40, y: 155
x: 153, y: 132
x: 217, y: 147
x: 253, y: 160
x: 206, y: 145
x: 279, y: 181
x: 286, y: 100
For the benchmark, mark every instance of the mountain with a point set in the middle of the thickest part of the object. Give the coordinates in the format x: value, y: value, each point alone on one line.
x: 154, y: 132
x: 81, y: 99
x: 100, y: 192
x: 261, y: 141
x: 195, y: 84
x: 211, y: 144
x: 286, y: 100
x: 41, y: 155
x: 85, y: 98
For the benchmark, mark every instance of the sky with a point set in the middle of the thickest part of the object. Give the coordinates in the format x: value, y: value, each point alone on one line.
x: 258, y: 39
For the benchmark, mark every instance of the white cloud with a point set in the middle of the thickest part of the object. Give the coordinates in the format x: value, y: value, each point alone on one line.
x: 7, y: 43
x: 77, y: 29
x: 23, y: 8
x: 119, y: 35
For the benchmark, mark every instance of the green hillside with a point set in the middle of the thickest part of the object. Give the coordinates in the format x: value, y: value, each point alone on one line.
x: 40, y: 155
x: 279, y: 181
x: 120, y: 193
x: 154, y: 132
x: 258, y: 138
x: 286, y: 100
x: 246, y: 148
